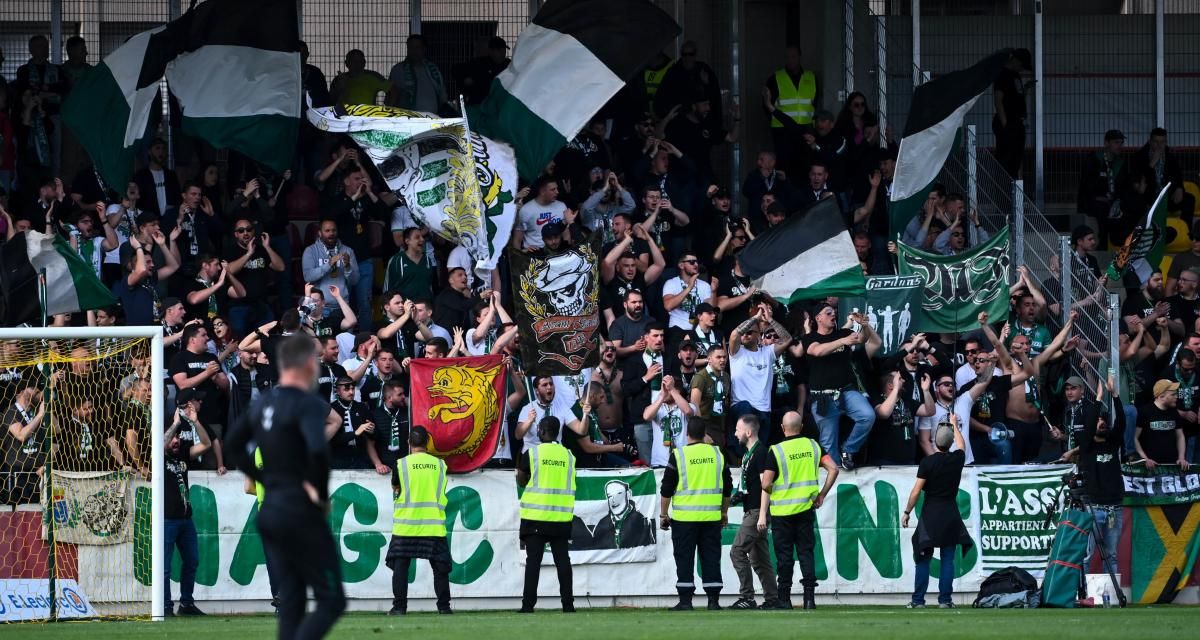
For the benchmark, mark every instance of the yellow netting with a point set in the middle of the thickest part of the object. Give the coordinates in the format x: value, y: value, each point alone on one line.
x: 74, y: 467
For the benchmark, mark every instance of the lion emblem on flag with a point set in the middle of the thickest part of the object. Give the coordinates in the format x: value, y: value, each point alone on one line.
x: 469, y: 393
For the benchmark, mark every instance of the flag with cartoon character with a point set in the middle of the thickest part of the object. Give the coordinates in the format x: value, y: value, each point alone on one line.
x: 460, y: 401
x: 454, y: 181
x: 557, y: 304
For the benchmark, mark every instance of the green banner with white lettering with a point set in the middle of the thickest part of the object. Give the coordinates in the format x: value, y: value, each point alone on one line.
x: 958, y: 287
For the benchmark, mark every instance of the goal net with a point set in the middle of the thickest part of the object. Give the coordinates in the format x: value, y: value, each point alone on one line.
x: 77, y: 466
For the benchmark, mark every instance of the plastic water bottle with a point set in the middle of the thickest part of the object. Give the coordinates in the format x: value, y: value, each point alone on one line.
x: 1107, y: 600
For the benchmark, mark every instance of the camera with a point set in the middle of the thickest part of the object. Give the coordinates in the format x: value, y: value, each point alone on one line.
x: 306, y: 309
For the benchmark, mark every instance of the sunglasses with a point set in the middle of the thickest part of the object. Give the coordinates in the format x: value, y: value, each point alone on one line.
x: 972, y: 352
x: 244, y: 229
x: 692, y: 261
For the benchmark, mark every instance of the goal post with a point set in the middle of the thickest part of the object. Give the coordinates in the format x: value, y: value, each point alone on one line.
x: 73, y: 536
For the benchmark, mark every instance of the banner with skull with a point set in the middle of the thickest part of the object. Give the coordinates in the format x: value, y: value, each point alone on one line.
x: 454, y: 181
x: 957, y: 288
x: 557, y: 304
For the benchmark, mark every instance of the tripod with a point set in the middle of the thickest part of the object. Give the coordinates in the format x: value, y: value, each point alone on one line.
x: 1101, y: 546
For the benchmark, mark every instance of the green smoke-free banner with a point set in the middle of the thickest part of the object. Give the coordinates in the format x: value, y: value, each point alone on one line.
x: 958, y: 287
x: 892, y: 305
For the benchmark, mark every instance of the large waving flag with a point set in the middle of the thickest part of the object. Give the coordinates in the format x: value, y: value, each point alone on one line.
x: 234, y: 68
x: 937, y: 112
x: 71, y: 283
x: 958, y: 287
x: 573, y: 57
x: 456, y: 182
x: 809, y: 256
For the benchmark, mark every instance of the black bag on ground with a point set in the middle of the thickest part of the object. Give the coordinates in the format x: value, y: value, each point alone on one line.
x: 1011, y: 587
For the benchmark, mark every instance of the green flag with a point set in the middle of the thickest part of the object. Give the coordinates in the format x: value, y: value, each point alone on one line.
x: 892, y: 305
x: 958, y: 287
x: 1143, y: 249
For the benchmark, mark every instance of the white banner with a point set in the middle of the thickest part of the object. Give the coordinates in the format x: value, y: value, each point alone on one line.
x: 23, y: 599
x: 91, y: 508
x: 861, y: 548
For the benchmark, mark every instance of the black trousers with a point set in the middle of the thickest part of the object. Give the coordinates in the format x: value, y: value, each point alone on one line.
x: 297, y: 539
x: 535, y: 550
x: 1010, y: 145
x: 795, y: 537
x: 689, y: 538
x: 441, y: 583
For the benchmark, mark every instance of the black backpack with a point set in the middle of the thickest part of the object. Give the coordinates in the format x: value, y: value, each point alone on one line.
x: 1005, y: 581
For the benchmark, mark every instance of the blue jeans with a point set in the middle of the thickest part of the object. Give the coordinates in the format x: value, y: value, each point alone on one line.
x: 181, y: 534
x: 362, y: 293
x: 945, y: 580
x: 828, y: 414
x: 245, y: 318
x: 1130, y: 428
x: 1109, y: 523
x: 736, y: 411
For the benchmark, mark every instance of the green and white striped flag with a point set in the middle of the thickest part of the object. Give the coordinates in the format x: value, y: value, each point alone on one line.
x: 71, y: 282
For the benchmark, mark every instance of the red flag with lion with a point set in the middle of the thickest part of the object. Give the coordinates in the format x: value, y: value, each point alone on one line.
x: 460, y: 401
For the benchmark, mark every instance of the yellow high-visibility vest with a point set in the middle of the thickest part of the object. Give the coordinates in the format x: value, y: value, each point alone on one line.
x: 795, y: 489
x: 420, y: 508
x: 700, y: 489
x: 795, y: 101
x: 653, y: 78
x: 550, y: 494
x: 260, y: 491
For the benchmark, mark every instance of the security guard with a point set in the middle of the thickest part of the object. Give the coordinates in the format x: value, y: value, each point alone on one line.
x: 792, y: 505
x: 419, y: 523
x: 696, y: 486
x: 547, y: 472
x: 790, y: 97
x: 256, y: 489
x: 653, y: 74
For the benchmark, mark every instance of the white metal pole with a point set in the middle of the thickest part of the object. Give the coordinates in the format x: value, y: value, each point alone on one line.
x: 1039, y: 115
x: 972, y: 177
x: 881, y: 76
x: 158, y: 564
x: 1066, y: 271
x: 1160, y: 72
x: 1018, y: 197
x: 916, y: 41
x: 67, y: 333
x: 1114, y: 340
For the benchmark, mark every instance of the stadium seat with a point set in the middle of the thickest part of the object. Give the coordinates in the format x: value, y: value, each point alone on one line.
x: 1181, y: 242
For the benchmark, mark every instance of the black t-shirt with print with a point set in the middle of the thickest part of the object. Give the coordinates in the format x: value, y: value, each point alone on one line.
x: 894, y: 439
x: 836, y: 369
x: 192, y: 364
x: 1158, y: 428
x: 255, y: 275
x: 992, y: 405
x: 732, y: 285
x: 178, y: 503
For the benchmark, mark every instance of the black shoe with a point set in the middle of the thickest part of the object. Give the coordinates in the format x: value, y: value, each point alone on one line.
x: 525, y: 610
x: 768, y: 604
x: 714, y: 604
x: 446, y: 612
x: 169, y: 612
x: 568, y: 608
x: 190, y: 610
x: 745, y: 603
x: 395, y: 611
x: 809, y: 601
x: 681, y: 606
x: 847, y: 462
x: 782, y: 604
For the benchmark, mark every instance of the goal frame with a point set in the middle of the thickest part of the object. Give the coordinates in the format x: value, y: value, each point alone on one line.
x: 157, y: 455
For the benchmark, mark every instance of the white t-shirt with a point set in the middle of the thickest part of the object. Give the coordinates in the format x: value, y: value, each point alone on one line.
x: 125, y: 226
x: 681, y: 316
x: 964, y: 374
x: 559, y: 408
x: 750, y: 373
x: 668, y: 416
x: 461, y: 258
x: 533, y: 216
x: 568, y: 388
x: 962, y: 409
x: 345, y: 343
x: 402, y: 218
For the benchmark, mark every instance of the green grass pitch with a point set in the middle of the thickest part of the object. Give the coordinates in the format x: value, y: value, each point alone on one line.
x: 884, y: 623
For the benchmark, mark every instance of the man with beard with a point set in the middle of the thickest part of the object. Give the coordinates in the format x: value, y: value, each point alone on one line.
x: 177, y: 516
x: 893, y: 438
x: 612, y: 401
x: 628, y: 332
x: 544, y: 405
x: 623, y: 528
x: 255, y: 262
x: 592, y: 449
x: 642, y: 378
x: 949, y: 404
x: 620, y: 273
x: 1188, y: 396
x: 355, y: 425
x: 96, y: 237
x: 389, y: 442
x: 711, y: 394
x: 735, y: 297
x: 1025, y: 407
x: 1185, y: 304
x: 1028, y: 313
x: 683, y: 366
x: 211, y: 292
x: 749, y: 554
x: 1148, y: 303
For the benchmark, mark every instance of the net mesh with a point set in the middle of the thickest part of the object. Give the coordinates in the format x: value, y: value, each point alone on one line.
x: 75, y: 522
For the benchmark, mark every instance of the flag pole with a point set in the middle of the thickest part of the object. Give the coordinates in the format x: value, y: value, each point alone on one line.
x: 42, y: 296
x: 474, y: 177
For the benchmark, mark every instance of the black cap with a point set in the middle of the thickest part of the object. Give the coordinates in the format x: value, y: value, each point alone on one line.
x: 720, y: 194
x: 555, y: 228
x: 187, y: 395
x: 1081, y: 232
x: 687, y: 343
x: 705, y: 307
x: 341, y: 380
x: 496, y: 42
x: 1113, y: 134
x: 167, y: 303
x: 147, y: 217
